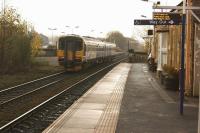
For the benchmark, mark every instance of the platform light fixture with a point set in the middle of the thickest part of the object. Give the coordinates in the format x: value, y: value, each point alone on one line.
x: 143, y: 16
x: 156, y: 3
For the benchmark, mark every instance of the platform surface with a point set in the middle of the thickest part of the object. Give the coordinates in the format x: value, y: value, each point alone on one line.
x: 129, y: 99
x: 147, y: 107
x: 98, y: 109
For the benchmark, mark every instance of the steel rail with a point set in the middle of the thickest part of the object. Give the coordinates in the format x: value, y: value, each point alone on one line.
x: 20, y: 96
x: 31, y: 111
x: 33, y: 81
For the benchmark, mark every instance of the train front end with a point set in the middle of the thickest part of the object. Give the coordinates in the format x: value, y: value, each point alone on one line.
x: 70, y: 52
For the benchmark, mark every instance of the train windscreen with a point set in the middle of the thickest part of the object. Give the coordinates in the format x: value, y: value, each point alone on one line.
x: 70, y: 44
x: 73, y: 45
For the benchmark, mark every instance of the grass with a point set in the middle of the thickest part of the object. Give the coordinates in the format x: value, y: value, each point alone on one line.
x: 36, y: 71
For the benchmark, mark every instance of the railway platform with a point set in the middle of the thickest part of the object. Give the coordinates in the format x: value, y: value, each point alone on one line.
x: 127, y: 100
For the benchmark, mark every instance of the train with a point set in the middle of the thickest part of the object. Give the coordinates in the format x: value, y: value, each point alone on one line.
x: 74, y: 51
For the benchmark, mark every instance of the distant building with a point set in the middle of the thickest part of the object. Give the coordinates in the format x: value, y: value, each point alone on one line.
x: 136, y: 45
x: 45, y: 40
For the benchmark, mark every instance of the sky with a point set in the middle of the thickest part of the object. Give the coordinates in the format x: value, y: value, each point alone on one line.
x: 93, y: 17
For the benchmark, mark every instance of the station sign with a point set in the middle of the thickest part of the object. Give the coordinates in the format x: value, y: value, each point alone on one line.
x: 156, y: 22
x: 167, y: 16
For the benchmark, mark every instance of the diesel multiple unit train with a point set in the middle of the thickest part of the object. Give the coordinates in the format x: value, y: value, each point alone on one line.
x: 76, y: 51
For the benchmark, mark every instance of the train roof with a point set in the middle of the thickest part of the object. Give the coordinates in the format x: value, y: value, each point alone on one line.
x: 90, y: 40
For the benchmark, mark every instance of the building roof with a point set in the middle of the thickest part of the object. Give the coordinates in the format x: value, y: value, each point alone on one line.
x: 194, y: 3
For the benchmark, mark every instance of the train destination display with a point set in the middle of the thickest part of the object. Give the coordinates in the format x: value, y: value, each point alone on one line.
x: 167, y: 16
x: 161, y: 18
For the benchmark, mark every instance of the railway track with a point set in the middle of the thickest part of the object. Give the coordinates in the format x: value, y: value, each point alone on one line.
x: 8, y: 124
x: 12, y: 93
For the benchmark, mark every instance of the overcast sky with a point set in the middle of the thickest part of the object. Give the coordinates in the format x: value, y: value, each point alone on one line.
x: 98, y: 15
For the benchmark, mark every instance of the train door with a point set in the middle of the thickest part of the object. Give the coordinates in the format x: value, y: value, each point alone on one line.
x: 69, y: 53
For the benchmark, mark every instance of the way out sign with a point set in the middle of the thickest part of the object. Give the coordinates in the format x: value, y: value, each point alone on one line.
x: 161, y: 18
x: 156, y: 22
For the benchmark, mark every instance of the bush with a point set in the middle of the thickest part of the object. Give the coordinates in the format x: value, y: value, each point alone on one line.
x: 170, y: 77
x: 17, y: 43
x: 170, y: 70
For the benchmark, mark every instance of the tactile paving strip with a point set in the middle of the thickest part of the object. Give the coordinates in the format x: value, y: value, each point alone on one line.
x: 109, y: 118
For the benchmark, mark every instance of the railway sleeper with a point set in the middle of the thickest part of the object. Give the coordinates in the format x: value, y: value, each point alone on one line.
x: 52, y: 118
x: 34, y: 119
x: 61, y: 105
x: 45, y: 110
x: 17, y: 130
x: 29, y: 123
x: 23, y: 126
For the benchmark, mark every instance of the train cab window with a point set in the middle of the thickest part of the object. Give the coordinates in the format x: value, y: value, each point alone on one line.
x: 78, y: 46
x: 74, y: 45
x: 70, y: 44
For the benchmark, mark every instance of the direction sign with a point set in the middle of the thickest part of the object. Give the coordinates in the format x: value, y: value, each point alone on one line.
x: 156, y: 22
x: 167, y: 16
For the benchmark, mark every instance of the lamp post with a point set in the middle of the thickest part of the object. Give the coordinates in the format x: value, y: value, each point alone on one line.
x: 92, y: 32
x: 69, y: 27
x: 3, y: 6
x: 62, y: 33
x: 72, y: 28
x: 76, y: 27
x: 157, y: 3
x: 149, y: 38
x: 143, y: 16
x: 52, y: 29
x: 101, y: 34
x: 160, y: 52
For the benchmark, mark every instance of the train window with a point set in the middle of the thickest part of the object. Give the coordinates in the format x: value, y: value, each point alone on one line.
x: 61, y: 44
x: 78, y: 45
x: 74, y: 45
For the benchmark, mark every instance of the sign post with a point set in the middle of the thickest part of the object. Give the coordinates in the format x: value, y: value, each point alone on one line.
x: 182, y: 73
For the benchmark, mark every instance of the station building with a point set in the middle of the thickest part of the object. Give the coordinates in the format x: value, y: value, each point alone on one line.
x: 166, y: 49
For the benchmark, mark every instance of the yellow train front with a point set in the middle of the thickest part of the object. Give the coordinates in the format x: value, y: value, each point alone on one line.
x: 75, y: 51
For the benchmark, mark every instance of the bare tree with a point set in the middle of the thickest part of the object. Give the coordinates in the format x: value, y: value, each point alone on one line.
x: 118, y: 38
